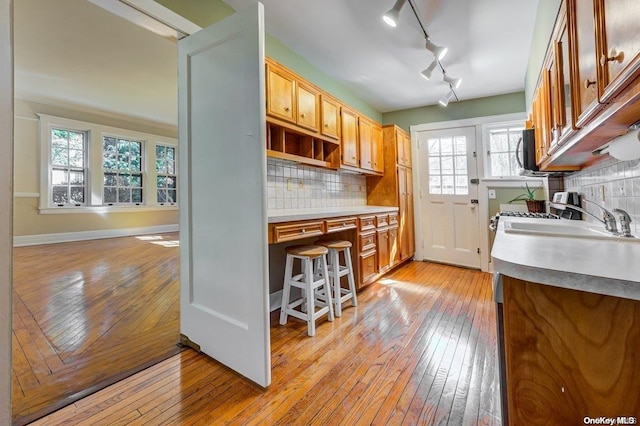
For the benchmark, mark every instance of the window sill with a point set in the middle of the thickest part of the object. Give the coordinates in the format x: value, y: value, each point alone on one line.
x: 106, y: 209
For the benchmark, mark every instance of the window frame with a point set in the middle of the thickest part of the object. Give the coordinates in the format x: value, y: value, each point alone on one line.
x: 486, y: 143
x: 118, y: 172
x: 174, y: 175
x: 68, y: 168
x: 94, y: 177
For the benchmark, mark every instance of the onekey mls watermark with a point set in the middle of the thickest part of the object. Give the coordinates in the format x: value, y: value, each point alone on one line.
x: 620, y: 420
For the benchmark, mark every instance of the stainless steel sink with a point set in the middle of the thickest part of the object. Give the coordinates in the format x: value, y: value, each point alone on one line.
x: 562, y: 229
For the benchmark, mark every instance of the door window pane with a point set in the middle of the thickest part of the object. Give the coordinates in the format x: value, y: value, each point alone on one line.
x: 448, y: 165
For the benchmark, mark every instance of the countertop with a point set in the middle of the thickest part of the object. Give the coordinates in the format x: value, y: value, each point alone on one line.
x: 597, y: 266
x: 290, y: 215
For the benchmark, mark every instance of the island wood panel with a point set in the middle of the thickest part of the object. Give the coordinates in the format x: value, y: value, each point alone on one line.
x: 418, y: 349
x: 569, y: 354
x: 86, y: 314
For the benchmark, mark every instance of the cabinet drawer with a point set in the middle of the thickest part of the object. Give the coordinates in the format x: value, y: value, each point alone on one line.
x: 367, y: 241
x: 335, y: 225
x: 382, y: 220
x: 393, y: 219
x: 368, y: 266
x: 367, y: 222
x: 296, y: 231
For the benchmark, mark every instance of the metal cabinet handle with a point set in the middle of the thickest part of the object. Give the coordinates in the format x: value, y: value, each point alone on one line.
x: 615, y: 57
x: 588, y: 83
x: 303, y: 231
x: 287, y: 109
x: 301, y: 115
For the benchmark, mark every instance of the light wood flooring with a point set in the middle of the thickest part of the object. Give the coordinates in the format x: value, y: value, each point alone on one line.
x: 420, y: 349
x: 86, y: 314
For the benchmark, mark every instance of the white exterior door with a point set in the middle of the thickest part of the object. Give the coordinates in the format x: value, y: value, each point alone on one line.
x: 450, y: 226
x: 223, y: 217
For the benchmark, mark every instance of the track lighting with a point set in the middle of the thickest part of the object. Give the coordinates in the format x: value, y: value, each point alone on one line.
x: 454, y: 82
x: 391, y: 17
x: 427, y: 72
x: 438, y: 51
x: 445, y: 100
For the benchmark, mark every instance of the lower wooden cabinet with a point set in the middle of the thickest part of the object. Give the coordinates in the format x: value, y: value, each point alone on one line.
x: 569, y: 355
x: 368, y: 266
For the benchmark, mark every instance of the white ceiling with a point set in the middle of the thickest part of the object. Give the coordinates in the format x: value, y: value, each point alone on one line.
x: 72, y: 52
x: 488, y: 41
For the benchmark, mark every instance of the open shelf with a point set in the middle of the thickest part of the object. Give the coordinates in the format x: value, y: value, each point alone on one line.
x: 296, y: 145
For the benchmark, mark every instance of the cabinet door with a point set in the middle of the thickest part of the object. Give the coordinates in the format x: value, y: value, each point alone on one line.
x: 581, y: 14
x: 403, y: 212
x: 308, y: 106
x: 554, y: 104
x: 620, y: 55
x: 280, y: 94
x: 383, y: 250
x: 403, y: 142
x: 364, y: 135
x: 377, y: 154
x: 394, y: 249
x: 565, y: 84
x: 368, y: 267
x: 409, y: 228
x: 330, y: 118
x: 349, y: 142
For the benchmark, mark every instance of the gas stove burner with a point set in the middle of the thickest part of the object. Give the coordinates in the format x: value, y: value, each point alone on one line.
x: 530, y: 215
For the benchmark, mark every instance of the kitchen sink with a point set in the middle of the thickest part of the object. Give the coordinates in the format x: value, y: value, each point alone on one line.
x: 562, y: 229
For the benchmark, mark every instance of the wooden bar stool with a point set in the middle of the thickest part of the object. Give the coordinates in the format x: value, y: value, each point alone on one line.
x: 308, y: 283
x: 336, y: 271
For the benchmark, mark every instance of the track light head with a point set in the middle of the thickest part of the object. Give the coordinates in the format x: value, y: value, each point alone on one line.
x: 391, y: 17
x: 427, y: 72
x: 444, y: 101
x: 438, y: 51
x: 454, y: 82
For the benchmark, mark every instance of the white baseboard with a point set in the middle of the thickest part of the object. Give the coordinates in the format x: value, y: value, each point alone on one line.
x: 65, y: 237
x: 275, y: 300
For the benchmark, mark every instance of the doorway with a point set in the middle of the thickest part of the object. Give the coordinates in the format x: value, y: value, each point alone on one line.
x: 87, y: 305
x: 448, y: 177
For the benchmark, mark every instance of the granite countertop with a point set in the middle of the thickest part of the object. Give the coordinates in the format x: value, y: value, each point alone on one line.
x: 608, y: 267
x: 290, y: 215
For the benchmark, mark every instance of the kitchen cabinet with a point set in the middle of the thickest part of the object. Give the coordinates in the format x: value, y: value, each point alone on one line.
x: 395, y: 187
x: 567, y: 354
x: 581, y: 17
x: 308, y: 106
x: 364, y: 143
x: 349, y: 141
x: 281, y: 93
x: 377, y: 154
x: 619, y: 57
x: 595, y: 51
x: 330, y: 117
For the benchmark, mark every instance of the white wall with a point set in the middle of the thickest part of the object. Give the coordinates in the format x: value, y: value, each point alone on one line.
x: 6, y: 192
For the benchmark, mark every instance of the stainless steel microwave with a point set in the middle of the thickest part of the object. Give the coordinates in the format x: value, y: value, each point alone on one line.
x: 527, y: 155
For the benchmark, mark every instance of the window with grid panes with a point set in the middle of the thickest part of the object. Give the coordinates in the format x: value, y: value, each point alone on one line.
x: 448, y: 165
x: 502, y: 151
x: 68, y: 167
x: 166, y: 174
x: 122, y: 171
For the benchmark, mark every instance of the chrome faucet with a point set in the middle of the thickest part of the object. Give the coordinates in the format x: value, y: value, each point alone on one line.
x: 625, y: 222
x: 608, y: 219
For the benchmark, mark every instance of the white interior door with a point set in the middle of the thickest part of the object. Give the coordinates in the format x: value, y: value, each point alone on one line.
x: 447, y: 163
x: 223, y: 217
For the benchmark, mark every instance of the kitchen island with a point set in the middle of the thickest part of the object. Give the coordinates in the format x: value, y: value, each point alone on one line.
x: 568, y: 316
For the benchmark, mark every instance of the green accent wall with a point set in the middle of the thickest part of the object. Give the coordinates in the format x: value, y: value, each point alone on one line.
x: 545, y: 21
x: 481, y: 107
x: 207, y: 12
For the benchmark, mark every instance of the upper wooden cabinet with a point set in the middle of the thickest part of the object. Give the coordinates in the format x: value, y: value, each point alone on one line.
x: 588, y: 92
x: 364, y: 142
x: 281, y: 93
x: 330, y: 117
x: 403, y: 141
x: 619, y: 57
x: 377, y: 154
x: 308, y: 106
x: 349, y: 142
x: 581, y: 27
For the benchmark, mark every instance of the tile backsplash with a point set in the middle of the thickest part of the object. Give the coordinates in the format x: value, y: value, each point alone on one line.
x: 295, y: 186
x: 612, y: 184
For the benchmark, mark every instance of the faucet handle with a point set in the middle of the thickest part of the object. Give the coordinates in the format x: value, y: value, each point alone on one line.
x: 625, y: 222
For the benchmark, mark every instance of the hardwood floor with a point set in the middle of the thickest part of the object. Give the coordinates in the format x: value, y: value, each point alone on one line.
x: 86, y: 314
x: 420, y: 348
